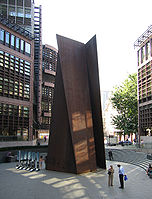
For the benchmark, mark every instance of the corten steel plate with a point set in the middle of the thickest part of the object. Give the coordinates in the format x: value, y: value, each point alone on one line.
x: 72, y: 140
x: 94, y: 87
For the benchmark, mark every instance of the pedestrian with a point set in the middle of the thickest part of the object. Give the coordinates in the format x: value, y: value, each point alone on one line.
x: 38, y: 142
x: 110, y: 155
x: 45, y: 138
x: 142, y: 143
x: 110, y: 175
x: 121, y: 176
x: 41, y: 161
x: 149, y: 169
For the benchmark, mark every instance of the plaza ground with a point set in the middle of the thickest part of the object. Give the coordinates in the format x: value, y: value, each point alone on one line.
x: 57, y: 185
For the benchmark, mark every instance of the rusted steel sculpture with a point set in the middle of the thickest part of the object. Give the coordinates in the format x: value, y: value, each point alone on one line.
x: 76, y: 142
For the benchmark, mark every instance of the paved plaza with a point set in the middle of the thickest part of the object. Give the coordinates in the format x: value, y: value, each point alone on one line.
x: 21, y: 184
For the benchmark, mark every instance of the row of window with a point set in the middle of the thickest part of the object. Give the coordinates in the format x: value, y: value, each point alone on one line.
x: 49, y: 59
x: 12, y: 83
x: 26, y: 3
x: 46, y: 120
x: 14, y: 42
x: 50, y: 54
x: 26, y: 13
x: 48, y: 91
x: 12, y: 118
x: 46, y: 106
x: 144, y: 53
x: 13, y: 63
x: 13, y: 88
x: 49, y: 66
x: 13, y: 110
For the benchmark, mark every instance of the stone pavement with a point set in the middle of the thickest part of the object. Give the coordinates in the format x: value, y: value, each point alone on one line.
x: 57, y: 185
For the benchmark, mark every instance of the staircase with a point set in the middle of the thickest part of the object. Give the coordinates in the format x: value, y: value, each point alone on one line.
x: 131, y: 157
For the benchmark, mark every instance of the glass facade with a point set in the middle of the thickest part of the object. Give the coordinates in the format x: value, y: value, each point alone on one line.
x: 16, y: 82
x: 14, y: 77
x: 19, y: 11
x: 14, y: 121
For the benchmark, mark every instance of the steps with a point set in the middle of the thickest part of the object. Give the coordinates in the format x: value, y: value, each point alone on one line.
x: 129, y: 156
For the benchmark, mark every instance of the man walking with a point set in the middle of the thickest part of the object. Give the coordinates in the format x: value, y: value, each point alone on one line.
x: 121, y: 176
x: 110, y: 155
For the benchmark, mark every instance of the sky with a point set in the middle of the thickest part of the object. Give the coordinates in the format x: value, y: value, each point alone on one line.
x: 117, y: 24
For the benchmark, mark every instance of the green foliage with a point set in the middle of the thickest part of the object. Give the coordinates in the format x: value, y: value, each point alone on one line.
x: 124, y: 100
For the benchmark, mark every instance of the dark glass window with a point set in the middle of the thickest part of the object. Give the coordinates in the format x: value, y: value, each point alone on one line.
x: 3, y: 1
x: 12, y: 2
x: 3, y: 10
x: 20, y: 2
x: 27, y: 3
x: 1, y: 35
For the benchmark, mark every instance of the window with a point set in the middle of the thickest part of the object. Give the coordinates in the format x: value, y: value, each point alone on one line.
x: 142, y: 54
x: 147, y: 50
x: 22, y: 46
x: 20, y: 12
x: 1, y: 35
x: 27, y: 48
x: 7, y: 38
x: 27, y: 90
x: 27, y: 13
x: 17, y: 43
x: 12, y: 11
x: 12, y: 2
x: 25, y: 112
x: 12, y: 41
x: 3, y: 9
x: 20, y: 2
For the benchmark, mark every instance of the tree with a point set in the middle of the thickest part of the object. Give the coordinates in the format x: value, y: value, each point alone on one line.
x: 124, y: 100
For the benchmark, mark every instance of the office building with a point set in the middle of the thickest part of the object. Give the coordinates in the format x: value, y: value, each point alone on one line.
x: 21, y: 23
x: 16, y: 82
x: 49, y: 62
x: 25, y: 19
x: 144, y: 63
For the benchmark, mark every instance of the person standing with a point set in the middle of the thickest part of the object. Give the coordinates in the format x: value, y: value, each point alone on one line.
x: 45, y: 138
x: 121, y: 176
x: 41, y: 161
x: 110, y: 175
